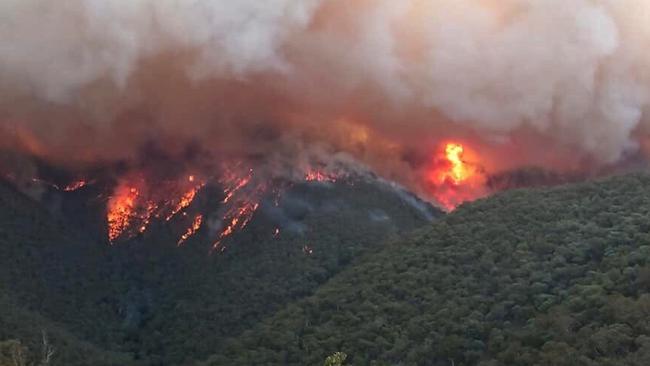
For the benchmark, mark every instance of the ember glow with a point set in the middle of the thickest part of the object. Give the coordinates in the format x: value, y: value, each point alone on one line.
x: 196, y: 225
x: 319, y: 176
x: 134, y: 204
x: 121, y: 211
x: 151, y: 208
x: 242, y: 196
x: 75, y: 186
x: 236, y: 218
x: 407, y: 74
x: 429, y: 94
x: 239, y: 183
x: 184, y: 201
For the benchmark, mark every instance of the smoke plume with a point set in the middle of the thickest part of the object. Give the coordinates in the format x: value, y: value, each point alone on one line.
x: 560, y: 84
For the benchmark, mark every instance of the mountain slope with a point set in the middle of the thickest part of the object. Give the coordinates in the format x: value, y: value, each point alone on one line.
x: 529, y: 277
x: 167, y: 305
x: 29, y: 328
x: 46, y: 274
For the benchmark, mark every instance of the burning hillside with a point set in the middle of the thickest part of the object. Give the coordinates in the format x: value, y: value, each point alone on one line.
x: 136, y: 197
x: 438, y: 96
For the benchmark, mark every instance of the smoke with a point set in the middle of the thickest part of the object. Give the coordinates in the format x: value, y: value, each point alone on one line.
x: 556, y: 83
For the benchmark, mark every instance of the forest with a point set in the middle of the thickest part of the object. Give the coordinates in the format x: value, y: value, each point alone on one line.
x: 149, y: 302
x: 547, y: 276
x: 529, y: 277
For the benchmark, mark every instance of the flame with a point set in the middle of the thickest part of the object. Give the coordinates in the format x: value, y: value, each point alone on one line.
x: 238, y: 218
x: 453, y: 179
x: 230, y: 192
x: 196, y: 225
x: 130, y: 210
x: 459, y: 171
x: 121, y: 209
x: 135, y: 202
x: 241, y: 198
x: 319, y: 176
x: 184, y: 201
x: 146, y: 217
x: 75, y: 186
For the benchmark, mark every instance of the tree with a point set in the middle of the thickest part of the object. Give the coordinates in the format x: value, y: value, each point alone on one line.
x: 13, y: 353
x: 336, y: 359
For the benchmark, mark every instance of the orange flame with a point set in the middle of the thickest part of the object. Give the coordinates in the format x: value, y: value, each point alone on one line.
x: 454, y: 180
x: 231, y: 191
x: 146, y: 217
x: 319, y: 176
x: 130, y: 210
x: 196, y: 225
x: 239, y: 217
x: 75, y: 186
x: 243, y: 198
x: 184, y: 202
x: 121, y: 208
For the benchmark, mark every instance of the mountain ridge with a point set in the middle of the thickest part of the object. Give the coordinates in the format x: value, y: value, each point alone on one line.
x: 553, y: 276
x: 164, y: 304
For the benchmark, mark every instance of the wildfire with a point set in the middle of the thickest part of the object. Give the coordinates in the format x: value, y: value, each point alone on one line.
x: 130, y: 210
x: 242, y: 197
x: 196, y: 225
x: 453, y: 179
x: 184, y: 202
x: 121, y: 209
x: 239, y: 217
x: 459, y: 170
x: 75, y: 186
x: 319, y: 176
x: 136, y: 203
x: 240, y: 183
x: 148, y: 213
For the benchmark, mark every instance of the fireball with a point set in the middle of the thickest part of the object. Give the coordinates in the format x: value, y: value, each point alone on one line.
x: 453, y: 179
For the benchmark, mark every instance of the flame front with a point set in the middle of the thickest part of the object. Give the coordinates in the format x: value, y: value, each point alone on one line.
x: 184, y: 201
x: 196, y: 225
x: 130, y: 210
x: 121, y: 209
x: 242, y: 197
x: 320, y: 176
x: 136, y: 202
x: 238, y: 218
x: 452, y: 179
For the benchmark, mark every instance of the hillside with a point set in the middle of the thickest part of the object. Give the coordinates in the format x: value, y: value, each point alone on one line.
x: 529, y: 277
x: 150, y: 302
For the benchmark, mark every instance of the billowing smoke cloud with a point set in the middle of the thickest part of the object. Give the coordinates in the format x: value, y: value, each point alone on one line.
x: 554, y: 83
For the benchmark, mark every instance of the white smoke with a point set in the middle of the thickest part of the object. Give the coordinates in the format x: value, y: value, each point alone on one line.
x: 574, y: 71
x: 57, y: 48
x: 546, y: 64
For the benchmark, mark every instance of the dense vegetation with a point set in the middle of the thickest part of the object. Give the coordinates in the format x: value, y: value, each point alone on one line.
x: 529, y: 277
x: 148, y: 302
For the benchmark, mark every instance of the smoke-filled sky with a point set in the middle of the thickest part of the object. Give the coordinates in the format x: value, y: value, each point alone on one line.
x: 558, y: 83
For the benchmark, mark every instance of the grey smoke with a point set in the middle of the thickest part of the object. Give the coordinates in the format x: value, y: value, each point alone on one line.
x: 574, y: 73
